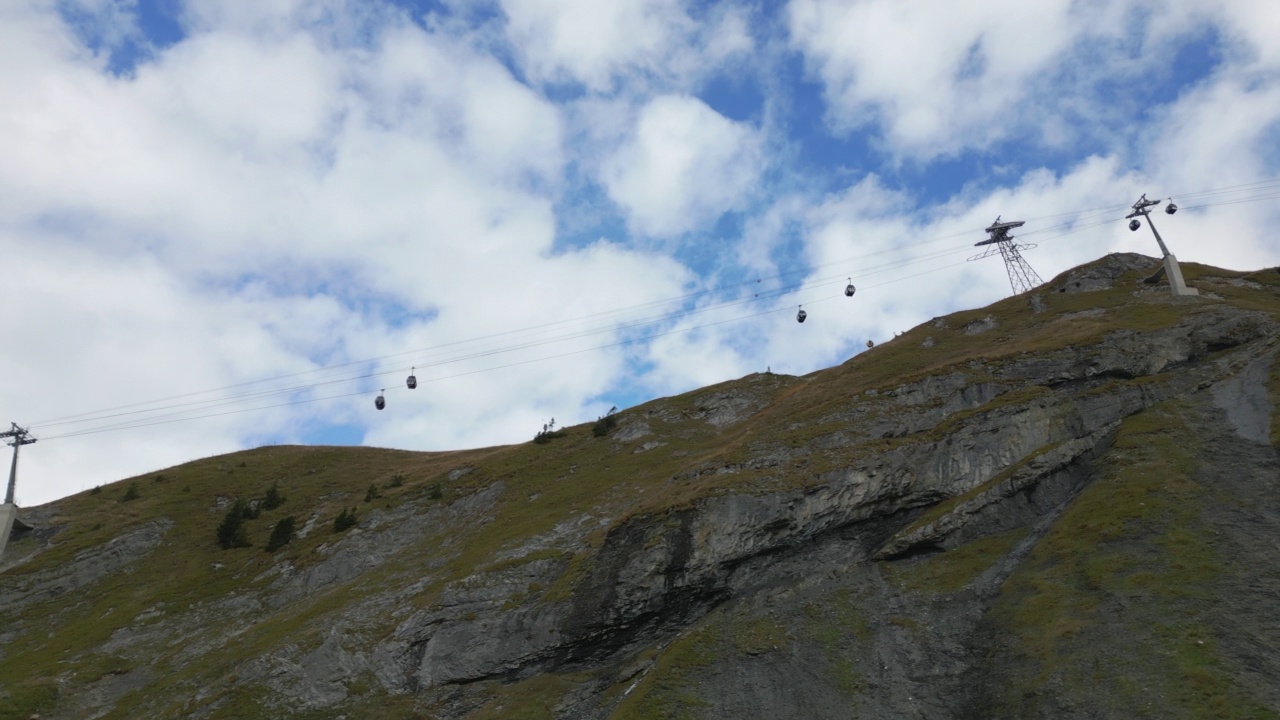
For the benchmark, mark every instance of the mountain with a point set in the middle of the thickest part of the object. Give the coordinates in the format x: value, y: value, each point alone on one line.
x: 1064, y: 505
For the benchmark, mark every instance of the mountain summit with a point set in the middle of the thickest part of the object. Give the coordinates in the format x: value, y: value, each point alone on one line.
x: 1064, y: 505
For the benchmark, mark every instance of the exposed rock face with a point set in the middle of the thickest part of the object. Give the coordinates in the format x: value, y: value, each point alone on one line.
x: 87, y: 567
x: 969, y: 539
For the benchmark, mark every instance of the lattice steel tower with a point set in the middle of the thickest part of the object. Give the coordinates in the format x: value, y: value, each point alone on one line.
x: 1021, y: 277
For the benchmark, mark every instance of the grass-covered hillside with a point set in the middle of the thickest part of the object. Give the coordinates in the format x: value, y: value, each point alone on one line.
x: 1061, y: 505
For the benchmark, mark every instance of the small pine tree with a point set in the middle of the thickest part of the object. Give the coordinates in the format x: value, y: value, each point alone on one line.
x: 97, y: 490
x: 132, y: 493
x: 273, y: 498
x: 251, y: 510
x: 232, y: 532
x: 372, y: 493
x: 435, y: 492
x: 604, y: 425
x: 345, y: 519
x: 397, y: 480
x: 281, y: 535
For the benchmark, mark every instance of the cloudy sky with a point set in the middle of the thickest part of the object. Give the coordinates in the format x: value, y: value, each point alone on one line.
x: 225, y: 224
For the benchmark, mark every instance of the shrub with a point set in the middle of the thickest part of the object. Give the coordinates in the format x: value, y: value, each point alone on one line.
x: 604, y: 426
x: 435, y: 492
x: 132, y: 493
x: 397, y: 480
x: 97, y: 490
x: 281, y: 535
x: 548, y: 433
x: 345, y: 519
x: 231, y: 531
x: 273, y: 498
x: 372, y: 493
x: 251, y: 510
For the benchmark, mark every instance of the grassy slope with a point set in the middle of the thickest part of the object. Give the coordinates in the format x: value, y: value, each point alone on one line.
x: 545, y: 484
x: 1131, y: 558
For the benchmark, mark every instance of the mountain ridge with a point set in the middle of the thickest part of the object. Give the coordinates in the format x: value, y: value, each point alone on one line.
x: 933, y: 528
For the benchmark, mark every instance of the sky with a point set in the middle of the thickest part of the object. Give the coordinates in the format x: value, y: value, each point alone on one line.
x: 225, y: 225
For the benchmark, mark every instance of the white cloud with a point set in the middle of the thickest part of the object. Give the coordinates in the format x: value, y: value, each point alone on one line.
x: 683, y: 166
x: 941, y: 77
x: 601, y: 45
x: 592, y: 42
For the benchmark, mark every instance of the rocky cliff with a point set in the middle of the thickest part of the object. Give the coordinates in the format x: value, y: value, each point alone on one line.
x: 1065, y: 505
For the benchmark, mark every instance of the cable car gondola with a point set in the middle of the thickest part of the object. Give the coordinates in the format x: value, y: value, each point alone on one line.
x: 800, y: 316
x: 1134, y: 224
x: 380, y: 402
x: 411, y: 381
x: 849, y: 289
x: 1171, y: 208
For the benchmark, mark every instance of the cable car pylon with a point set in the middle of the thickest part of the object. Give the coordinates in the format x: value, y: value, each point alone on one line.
x: 1021, y: 277
x: 1169, y: 266
x: 8, y: 511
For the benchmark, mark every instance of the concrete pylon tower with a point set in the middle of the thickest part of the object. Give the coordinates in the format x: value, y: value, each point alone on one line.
x: 8, y: 511
x: 1169, y: 266
x: 19, y: 437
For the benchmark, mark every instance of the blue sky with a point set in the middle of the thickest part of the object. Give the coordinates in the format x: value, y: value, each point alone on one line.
x: 550, y: 207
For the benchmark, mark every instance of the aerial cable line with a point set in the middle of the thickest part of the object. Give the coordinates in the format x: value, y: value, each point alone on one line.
x: 67, y: 418
x: 1077, y: 215
x: 84, y: 417
x: 150, y: 422
x: 421, y: 362
x: 183, y: 416
x: 773, y: 293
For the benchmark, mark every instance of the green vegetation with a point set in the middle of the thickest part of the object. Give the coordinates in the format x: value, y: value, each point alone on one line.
x: 954, y: 569
x: 281, y: 534
x: 1129, y: 558
x: 27, y: 698
x: 232, y: 532
x: 759, y: 635
x: 549, y: 433
x: 345, y: 520
x: 372, y: 493
x: 132, y: 493
x: 605, y: 424
x: 531, y: 699
x: 546, y: 436
x: 187, y: 570
x: 667, y: 692
x: 273, y: 499
x: 841, y: 629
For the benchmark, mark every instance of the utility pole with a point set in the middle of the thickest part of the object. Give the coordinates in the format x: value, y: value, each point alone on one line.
x: 1170, y: 267
x: 1021, y: 277
x: 19, y: 437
